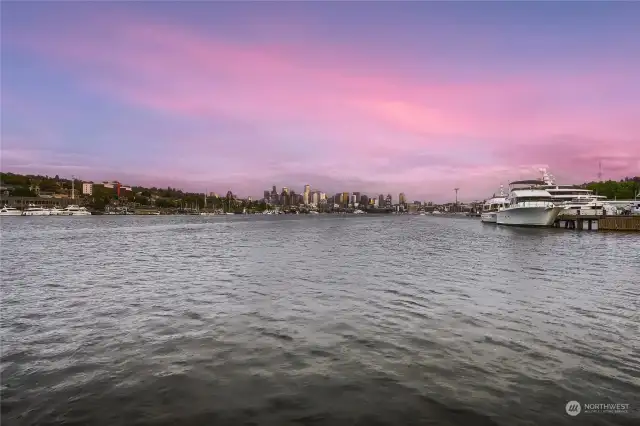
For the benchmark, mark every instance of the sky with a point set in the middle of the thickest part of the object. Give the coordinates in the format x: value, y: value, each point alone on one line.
x: 377, y: 97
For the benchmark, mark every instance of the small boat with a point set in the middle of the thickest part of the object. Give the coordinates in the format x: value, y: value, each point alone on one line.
x: 55, y: 211
x: 491, y: 206
x: 10, y: 211
x: 75, y: 210
x: 32, y: 210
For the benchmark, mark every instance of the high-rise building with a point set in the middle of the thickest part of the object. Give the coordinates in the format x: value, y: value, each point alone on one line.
x: 402, y: 199
x: 388, y: 202
x: 306, y: 195
x: 364, y: 200
x: 353, y: 200
x: 267, y: 196
x: 381, y: 200
x: 345, y: 198
x: 285, y: 190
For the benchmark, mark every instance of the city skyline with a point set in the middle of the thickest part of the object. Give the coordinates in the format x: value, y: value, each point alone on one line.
x: 419, y: 98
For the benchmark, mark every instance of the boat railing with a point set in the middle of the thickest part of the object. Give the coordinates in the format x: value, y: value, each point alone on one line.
x: 531, y: 203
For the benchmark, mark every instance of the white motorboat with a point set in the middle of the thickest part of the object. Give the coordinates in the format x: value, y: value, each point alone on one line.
x: 32, y: 210
x: 491, y: 206
x: 575, y: 200
x: 55, y: 211
x: 75, y: 210
x: 10, y: 211
x: 528, y: 205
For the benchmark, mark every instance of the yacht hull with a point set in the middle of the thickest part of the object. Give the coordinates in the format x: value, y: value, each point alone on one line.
x: 489, y: 217
x: 528, y: 216
x: 11, y: 213
x: 36, y: 213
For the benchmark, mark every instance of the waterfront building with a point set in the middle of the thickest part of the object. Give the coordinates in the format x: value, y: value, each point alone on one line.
x: 381, y: 200
x: 315, y: 198
x: 87, y: 188
x: 364, y: 200
x: 402, y: 199
x: 388, y: 202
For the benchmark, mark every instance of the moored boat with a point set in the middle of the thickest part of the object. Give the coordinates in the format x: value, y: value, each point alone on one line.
x: 491, y: 206
x: 32, y: 210
x: 75, y: 210
x: 10, y: 211
x: 528, y: 205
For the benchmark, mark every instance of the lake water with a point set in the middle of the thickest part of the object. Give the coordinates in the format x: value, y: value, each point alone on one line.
x: 315, y: 320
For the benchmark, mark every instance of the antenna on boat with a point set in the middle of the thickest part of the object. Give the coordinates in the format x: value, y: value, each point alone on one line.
x: 501, y: 190
x: 547, y: 177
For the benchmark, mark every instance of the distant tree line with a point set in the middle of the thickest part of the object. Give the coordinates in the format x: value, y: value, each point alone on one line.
x: 624, y: 189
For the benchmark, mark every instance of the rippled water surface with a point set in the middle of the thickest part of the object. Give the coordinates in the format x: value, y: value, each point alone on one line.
x: 325, y: 320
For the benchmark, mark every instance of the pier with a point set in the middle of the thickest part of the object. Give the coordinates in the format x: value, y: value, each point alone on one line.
x: 598, y: 223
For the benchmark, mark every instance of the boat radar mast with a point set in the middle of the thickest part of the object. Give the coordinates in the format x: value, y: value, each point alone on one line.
x: 547, y: 177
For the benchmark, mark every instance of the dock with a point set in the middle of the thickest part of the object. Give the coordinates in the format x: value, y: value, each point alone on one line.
x: 598, y: 223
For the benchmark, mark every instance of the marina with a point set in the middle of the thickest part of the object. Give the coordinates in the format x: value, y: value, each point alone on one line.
x: 545, y: 203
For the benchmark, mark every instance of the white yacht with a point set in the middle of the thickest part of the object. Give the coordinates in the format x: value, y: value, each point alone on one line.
x: 32, y: 210
x: 55, y: 211
x: 528, y: 205
x: 575, y: 200
x: 10, y: 211
x: 75, y: 210
x: 491, y: 206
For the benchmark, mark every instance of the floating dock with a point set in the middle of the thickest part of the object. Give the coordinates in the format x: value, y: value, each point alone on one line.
x: 598, y: 223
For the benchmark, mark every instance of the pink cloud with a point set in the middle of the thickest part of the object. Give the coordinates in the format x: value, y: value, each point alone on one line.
x: 337, y: 113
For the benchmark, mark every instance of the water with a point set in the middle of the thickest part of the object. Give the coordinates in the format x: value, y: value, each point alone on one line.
x: 325, y: 320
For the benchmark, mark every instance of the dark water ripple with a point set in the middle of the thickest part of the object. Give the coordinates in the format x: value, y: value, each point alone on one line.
x: 315, y: 321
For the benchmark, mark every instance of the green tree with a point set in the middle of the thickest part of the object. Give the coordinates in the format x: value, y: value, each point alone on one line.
x: 23, y: 191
